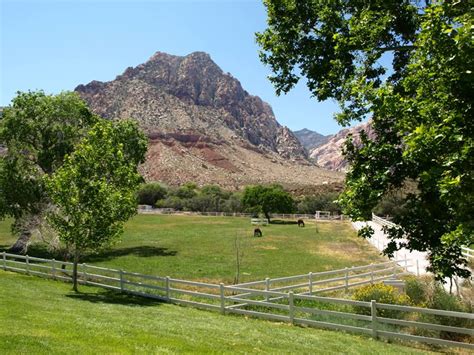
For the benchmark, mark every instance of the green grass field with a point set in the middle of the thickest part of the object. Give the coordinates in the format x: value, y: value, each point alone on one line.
x: 202, y: 248
x: 42, y: 317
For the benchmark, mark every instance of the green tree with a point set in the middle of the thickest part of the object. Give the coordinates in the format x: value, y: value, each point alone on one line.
x: 420, y: 104
x: 38, y: 131
x: 268, y: 199
x: 149, y: 193
x: 319, y: 202
x: 94, y: 191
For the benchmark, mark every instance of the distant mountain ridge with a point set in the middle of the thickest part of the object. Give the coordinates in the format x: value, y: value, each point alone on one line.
x: 202, y: 125
x: 311, y: 139
x: 329, y: 155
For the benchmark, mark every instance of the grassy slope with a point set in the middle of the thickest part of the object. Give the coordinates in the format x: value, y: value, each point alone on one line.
x: 49, y: 318
x: 195, y: 247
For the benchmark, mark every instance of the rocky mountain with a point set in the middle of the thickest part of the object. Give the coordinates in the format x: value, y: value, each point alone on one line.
x: 202, y: 125
x: 329, y: 155
x: 311, y: 139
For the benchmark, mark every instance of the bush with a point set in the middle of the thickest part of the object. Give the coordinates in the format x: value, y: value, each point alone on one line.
x: 417, y: 290
x: 382, y: 294
x: 441, y: 299
x: 148, y: 194
x: 320, y: 202
x: 172, y: 202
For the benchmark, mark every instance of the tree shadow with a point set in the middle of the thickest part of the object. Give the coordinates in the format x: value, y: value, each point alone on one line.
x: 143, y: 251
x: 114, y: 297
x: 4, y: 248
x: 281, y: 221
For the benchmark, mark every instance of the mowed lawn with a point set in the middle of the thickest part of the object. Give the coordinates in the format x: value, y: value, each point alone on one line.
x: 41, y: 316
x: 203, y: 248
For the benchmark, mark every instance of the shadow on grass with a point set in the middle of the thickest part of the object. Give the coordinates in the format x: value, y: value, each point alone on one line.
x: 281, y: 221
x: 143, y: 251
x: 4, y: 248
x: 114, y: 297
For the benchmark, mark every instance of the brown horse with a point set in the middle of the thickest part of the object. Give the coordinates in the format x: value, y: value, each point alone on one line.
x: 300, y: 223
x: 257, y: 232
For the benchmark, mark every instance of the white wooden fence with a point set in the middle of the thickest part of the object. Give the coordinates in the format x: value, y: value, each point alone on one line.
x: 238, y: 214
x: 293, y: 302
x: 468, y: 253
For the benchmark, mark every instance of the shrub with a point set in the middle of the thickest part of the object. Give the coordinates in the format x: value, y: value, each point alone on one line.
x: 441, y: 299
x: 382, y: 294
x: 417, y: 290
x: 148, y: 194
x: 320, y: 202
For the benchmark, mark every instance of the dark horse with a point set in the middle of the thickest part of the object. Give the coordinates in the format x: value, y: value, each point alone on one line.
x: 300, y: 223
x: 257, y: 232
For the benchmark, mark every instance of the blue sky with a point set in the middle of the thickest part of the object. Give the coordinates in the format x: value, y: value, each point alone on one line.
x: 57, y: 44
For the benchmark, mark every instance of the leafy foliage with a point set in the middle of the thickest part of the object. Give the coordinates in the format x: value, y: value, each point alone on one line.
x: 268, y: 199
x: 95, y: 189
x: 420, y: 106
x: 320, y: 202
x: 382, y: 294
x: 149, y: 193
x: 39, y: 130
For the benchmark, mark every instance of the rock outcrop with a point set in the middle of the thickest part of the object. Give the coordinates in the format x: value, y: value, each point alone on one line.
x: 311, y: 139
x: 329, y: 155
x: 203, y: 126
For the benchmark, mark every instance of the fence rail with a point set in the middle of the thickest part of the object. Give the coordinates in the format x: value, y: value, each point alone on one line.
x: 262, y: 299
x: 238, y: 214
x: 468, y: 252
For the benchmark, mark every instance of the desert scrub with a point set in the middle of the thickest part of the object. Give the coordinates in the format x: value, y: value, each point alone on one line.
x: 382, y: 294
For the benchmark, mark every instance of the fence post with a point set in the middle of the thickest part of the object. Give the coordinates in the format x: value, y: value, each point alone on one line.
x: 221, y: 286
x: 310, y: 277
x: 121, y: 280
x: 417, y: 268
x: 4, y: 261
x: 346, y: 279
x: 168, y: 288
x: 373, y: 314
x: 371, y: 273
x: 267, y: 288
x: 27, y: 265
x: 53, y: 268
x: 406, y: 262
x: 291, y: 303
x: 394, y: 269
x: 84, y: 273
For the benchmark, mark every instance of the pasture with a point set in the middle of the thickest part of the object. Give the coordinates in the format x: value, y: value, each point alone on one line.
x: 204, y: 248
x: 49, y: 318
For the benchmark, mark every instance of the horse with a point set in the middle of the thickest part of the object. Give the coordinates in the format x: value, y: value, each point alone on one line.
x: 257, y: 232
x: 300, y: 223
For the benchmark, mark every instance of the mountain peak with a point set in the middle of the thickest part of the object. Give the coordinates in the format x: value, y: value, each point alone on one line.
x: 186, y: 102
x: 311, y: 139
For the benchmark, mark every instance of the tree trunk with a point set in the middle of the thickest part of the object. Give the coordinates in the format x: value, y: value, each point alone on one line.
x: 74, y: 270
x: 267, y: 216
x: 25, y: 226
x: 21, y: 245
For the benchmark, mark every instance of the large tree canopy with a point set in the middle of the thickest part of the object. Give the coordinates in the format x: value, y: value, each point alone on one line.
x: 38, y: 131
x: 267, y: 199
x: 94, y: 191
x: 408, y: 65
